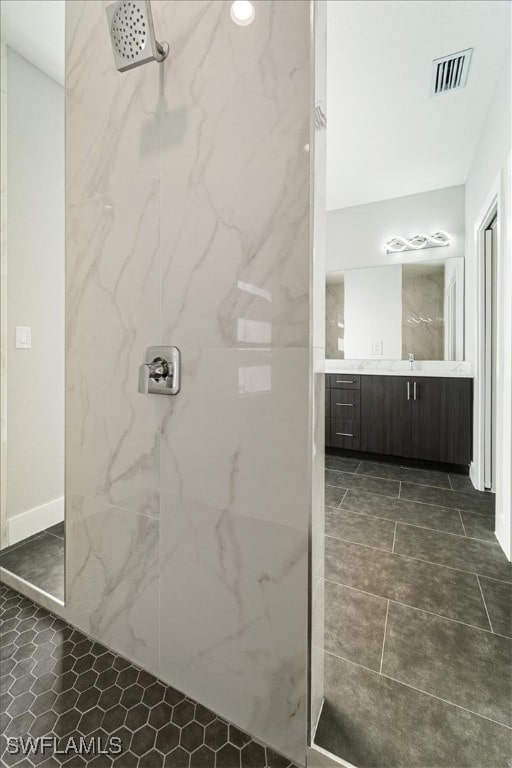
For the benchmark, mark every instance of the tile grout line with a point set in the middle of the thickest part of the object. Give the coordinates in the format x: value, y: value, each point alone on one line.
x: 420, y: 690
x: 411, y: 482
x: 415, y: 608
x: 435, y: 530
x: 454, y: 509
x: 384, y: 639
x: 394, y: 537
x: 386, y: 479
x: 55, y: 535
x: 20, y: 543
x: 351, y: 541
x: 380, y: 495
x: 413, y: 525
x: 462, y: 523
x: 422, y: 560
x: 485, y: 604
x: 399, y: 489
x: 416, y: 501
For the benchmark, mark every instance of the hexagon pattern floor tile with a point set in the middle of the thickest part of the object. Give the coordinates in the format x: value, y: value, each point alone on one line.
x: 62, y: 691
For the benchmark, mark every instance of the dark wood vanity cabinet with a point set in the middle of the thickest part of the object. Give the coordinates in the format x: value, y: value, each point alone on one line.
x: 427, y: 418
x: 419, y: 418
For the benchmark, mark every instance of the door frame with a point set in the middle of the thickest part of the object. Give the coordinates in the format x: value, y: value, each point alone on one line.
x: 3, y: 299
x: 492, y: 207
x: 495, y: 205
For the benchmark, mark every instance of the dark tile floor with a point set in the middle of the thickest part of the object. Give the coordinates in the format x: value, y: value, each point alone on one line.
x: 39, y: 559
x: 60, y: 686
x: 418, y: 621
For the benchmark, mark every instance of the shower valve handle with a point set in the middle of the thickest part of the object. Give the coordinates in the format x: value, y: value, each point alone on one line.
x: 160, y: 374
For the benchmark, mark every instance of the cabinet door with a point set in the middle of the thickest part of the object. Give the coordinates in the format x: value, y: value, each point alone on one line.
x: 442, y: 419
x: 385, y: 415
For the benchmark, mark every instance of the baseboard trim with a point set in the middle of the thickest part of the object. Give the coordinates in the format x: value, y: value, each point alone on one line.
x: 474, y: 475
x: 35, y: 520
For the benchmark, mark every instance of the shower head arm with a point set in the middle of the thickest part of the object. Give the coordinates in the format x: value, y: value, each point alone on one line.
x: 162, y: 50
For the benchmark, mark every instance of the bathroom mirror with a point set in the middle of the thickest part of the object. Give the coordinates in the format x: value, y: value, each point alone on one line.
x: 389, y: 312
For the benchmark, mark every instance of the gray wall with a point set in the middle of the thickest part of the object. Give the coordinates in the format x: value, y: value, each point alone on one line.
x: 35, y: 286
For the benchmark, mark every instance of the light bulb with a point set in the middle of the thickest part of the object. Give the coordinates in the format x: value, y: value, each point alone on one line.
x: 242, y: 12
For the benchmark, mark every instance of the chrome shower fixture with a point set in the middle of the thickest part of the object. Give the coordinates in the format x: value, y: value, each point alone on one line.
x: 132, y: 34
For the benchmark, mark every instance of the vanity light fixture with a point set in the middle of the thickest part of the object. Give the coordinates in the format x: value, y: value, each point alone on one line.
x: 242, y: 12
x: 416, y: 243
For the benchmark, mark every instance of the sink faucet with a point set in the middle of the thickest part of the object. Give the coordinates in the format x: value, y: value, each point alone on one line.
x: 411, y: 360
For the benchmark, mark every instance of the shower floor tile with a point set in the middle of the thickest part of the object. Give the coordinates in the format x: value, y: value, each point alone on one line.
x: 426, y: 682
x: 39, y: 560
x: 62, y: 686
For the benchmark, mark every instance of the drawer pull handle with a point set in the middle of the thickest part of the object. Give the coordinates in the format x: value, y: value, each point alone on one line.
x: 348, y: 405
x: 344, y: 381
x: 344, y: 434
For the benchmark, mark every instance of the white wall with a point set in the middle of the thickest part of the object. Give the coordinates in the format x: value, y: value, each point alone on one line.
x: 373, y: 313
x: 35, y: 291
x: 489, y: 169
x: 355, y: 235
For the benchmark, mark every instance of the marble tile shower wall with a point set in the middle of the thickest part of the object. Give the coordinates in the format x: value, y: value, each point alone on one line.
x: 188, y: 223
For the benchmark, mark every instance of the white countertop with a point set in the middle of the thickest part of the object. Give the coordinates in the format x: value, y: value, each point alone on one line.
x: 434, y: 368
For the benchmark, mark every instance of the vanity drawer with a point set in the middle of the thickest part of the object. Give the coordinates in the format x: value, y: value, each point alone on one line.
x: 345, y: 404
x: 345, y: 433
x: 345, y: 381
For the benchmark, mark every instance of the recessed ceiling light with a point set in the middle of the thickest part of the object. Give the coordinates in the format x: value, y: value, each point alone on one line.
x: 242, y: 12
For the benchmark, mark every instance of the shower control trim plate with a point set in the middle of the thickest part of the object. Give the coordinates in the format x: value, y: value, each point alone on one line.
x: 160, y: 374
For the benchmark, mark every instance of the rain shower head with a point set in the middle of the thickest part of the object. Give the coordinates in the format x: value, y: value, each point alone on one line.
x: 132, y: 34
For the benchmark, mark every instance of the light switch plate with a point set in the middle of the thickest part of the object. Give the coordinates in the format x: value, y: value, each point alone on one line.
x: 23, y: 337
x: 377, y: 347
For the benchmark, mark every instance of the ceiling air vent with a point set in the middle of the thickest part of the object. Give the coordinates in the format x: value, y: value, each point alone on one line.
x: 451, y: 72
